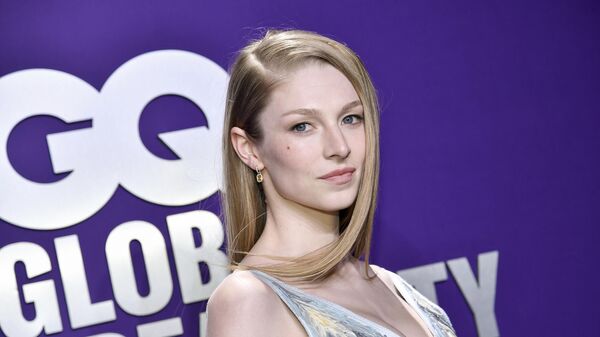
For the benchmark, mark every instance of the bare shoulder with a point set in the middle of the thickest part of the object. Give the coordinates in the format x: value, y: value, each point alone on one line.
x: 241, y: 304
x: 238, y: 286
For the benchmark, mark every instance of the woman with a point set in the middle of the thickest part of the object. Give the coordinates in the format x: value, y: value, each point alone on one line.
x: 301, y: 162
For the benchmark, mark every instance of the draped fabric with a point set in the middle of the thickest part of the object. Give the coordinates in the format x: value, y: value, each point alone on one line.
x: 322, y: 318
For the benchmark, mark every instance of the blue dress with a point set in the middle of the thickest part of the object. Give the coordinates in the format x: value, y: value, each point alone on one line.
x: 322, y: 318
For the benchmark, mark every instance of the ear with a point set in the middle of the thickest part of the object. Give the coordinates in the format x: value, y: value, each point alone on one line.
x: 245, y: 149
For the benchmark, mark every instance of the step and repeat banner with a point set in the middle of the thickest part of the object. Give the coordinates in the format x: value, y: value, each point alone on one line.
x: 111, y: 117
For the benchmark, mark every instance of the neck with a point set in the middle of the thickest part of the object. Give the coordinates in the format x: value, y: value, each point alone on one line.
x: 293, y: 230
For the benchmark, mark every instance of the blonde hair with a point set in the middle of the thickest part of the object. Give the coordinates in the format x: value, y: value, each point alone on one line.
x: 255, y: 73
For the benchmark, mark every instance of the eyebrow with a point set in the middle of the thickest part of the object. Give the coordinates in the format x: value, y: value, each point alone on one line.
x: 310, y: 111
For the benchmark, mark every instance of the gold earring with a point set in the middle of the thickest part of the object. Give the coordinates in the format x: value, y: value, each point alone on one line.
x: 259, y: 176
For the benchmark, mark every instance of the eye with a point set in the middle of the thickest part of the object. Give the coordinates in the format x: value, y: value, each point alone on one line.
x: 358, y: 119
x: 300, y: 127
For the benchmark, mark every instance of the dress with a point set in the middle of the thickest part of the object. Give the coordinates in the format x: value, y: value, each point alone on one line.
x: 322, y: 318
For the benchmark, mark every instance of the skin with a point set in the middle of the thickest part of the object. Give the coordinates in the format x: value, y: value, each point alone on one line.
x: 302, y: 210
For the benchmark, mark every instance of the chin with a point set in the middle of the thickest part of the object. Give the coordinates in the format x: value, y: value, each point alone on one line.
x: 336, y: 203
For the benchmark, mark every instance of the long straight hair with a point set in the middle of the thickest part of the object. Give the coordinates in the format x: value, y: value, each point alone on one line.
x: 257, y: 70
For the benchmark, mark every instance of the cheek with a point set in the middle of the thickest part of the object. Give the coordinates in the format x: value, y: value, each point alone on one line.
x: 290, y: 158
x: 363, y: 146
x: 358, y: 142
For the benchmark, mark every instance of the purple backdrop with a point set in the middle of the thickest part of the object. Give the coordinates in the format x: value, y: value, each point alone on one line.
x: 490, y: 143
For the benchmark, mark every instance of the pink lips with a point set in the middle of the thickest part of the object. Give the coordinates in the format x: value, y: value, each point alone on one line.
x: 340, y: 176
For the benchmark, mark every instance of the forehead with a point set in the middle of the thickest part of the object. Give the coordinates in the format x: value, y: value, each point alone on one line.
x: 315, y: 85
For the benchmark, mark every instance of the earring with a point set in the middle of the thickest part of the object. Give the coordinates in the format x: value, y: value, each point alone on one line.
x: 259, y: 176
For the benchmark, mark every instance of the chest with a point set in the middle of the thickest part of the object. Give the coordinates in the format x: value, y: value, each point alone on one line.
x: 372, y: 300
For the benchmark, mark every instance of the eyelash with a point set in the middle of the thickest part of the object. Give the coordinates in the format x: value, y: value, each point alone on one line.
x: 359, y: 118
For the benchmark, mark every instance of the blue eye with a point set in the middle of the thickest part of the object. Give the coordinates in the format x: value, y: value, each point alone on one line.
x: 358, y: 118
x: 295, y: 127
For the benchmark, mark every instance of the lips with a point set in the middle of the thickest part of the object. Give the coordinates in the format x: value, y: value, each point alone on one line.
x: 338, y: 172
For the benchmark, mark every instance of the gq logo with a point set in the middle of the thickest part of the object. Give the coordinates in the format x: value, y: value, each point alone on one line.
x: 101, y: 158
x: 111, y: 152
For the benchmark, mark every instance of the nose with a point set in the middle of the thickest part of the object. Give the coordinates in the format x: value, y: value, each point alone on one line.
x: 335, y: 143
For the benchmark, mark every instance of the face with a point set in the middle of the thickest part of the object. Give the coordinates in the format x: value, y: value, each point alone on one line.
x: 312, y: 126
